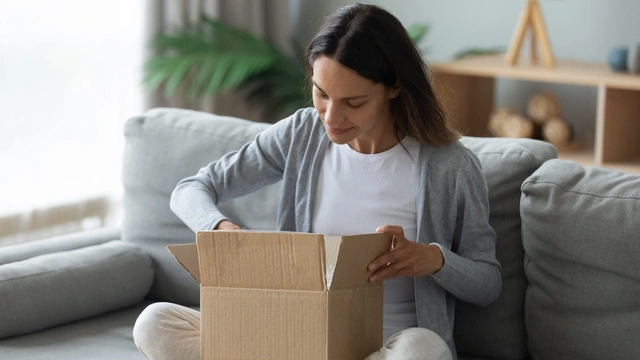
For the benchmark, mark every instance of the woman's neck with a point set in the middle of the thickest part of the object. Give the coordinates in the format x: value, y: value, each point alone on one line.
x: 377, y: 140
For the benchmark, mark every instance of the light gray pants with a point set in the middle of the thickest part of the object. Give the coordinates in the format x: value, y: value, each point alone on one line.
x: 170, y: 331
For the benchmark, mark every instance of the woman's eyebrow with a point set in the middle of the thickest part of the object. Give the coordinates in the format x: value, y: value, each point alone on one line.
x: 347, y: 98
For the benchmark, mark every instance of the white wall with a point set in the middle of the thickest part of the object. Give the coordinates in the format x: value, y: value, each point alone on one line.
x: 584, y: 30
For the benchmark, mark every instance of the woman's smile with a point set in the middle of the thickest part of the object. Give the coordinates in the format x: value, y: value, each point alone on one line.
x: 338, y: 131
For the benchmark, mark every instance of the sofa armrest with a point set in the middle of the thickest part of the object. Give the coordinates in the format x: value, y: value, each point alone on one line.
x: 19, y: 252
x: 65, y: 286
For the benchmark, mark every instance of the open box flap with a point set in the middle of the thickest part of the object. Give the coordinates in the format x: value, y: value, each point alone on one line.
x: 356, y: 252
x: 187, y: 256
x: 262, y: 260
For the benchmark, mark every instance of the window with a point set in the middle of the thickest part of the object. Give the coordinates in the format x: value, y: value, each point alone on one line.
x: 70, y: 75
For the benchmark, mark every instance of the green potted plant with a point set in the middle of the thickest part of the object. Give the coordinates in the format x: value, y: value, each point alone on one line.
x: 210, y: 57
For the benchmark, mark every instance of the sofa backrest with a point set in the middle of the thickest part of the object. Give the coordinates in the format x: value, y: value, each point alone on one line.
x: 163, y: 146
x: 498, y: 330
x: 581, y: 235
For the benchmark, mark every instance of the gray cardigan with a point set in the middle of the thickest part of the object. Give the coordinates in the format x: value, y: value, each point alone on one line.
x: 453, y: 208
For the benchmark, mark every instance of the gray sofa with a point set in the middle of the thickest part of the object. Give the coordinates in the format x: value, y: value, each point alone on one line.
x: 567, y: 240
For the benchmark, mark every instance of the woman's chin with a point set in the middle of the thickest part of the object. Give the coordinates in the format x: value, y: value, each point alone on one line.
x: 339, y: 139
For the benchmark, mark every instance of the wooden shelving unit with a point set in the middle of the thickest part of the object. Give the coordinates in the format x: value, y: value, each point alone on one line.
x: 466, y: 89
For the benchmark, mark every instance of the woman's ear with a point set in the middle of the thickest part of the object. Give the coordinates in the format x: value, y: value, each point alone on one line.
x: 395, y: 91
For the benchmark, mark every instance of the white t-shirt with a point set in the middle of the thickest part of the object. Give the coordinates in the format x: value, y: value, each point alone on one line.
x: 357, y: 193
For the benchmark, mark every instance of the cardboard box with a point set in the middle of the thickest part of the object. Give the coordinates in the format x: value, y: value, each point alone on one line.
x: 272, y: 295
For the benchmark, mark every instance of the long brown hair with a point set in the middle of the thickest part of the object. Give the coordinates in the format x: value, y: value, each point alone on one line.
x: 373, y: 43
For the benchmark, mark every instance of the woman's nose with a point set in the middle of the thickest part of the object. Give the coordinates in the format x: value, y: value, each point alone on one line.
x: 332, y: 115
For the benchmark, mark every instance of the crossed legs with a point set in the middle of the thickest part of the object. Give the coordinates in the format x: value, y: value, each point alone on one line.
x: 170, y: 331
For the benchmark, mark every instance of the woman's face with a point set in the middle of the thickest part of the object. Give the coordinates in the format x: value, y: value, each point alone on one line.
x: 354, y: 110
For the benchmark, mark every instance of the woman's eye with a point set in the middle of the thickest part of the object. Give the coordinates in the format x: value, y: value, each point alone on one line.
x: 354, y: 106
x: 321, y: 95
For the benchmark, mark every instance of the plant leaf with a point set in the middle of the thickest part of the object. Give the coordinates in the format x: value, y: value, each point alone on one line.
x: 417, y: 32
x: 177, y: 74
x: 209, y: 57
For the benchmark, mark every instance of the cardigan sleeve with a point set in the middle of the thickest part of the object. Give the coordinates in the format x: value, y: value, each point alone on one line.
x: 471, y: 271
x: 257, y: 164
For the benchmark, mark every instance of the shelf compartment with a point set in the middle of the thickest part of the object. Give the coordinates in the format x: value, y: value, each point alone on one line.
x: 618, y: 125
x: 467, y: 101
x: 466, y: 89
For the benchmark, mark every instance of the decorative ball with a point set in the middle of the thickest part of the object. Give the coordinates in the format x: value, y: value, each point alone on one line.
x: 542, y: 107
x: 557, y: 132
x: 618, y: 59
x: 505, y: 122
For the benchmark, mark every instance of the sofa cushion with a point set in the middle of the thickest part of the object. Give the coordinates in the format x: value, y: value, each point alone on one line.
x: 27, y: 250
x: 162, y: 147
x: 66, y: 286
x: 580, y: 235
x: 498, y: 331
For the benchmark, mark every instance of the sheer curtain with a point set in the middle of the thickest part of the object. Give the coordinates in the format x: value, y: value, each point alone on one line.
x: 69, y: 77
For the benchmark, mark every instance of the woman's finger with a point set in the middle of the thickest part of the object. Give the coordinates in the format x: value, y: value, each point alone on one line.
x: 227, y: 225
x: 384, y: 260
x: 396, y: 231
x: 391, y: 229
x: 398, y: 268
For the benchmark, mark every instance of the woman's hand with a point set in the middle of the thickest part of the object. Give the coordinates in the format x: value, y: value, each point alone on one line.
x: 406, y: 258
x: 227, y: 225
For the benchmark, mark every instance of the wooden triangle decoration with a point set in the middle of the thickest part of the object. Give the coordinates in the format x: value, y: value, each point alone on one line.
x: 531, y: 17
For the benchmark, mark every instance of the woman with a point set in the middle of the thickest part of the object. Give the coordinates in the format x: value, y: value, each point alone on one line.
x: 375, y: 146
